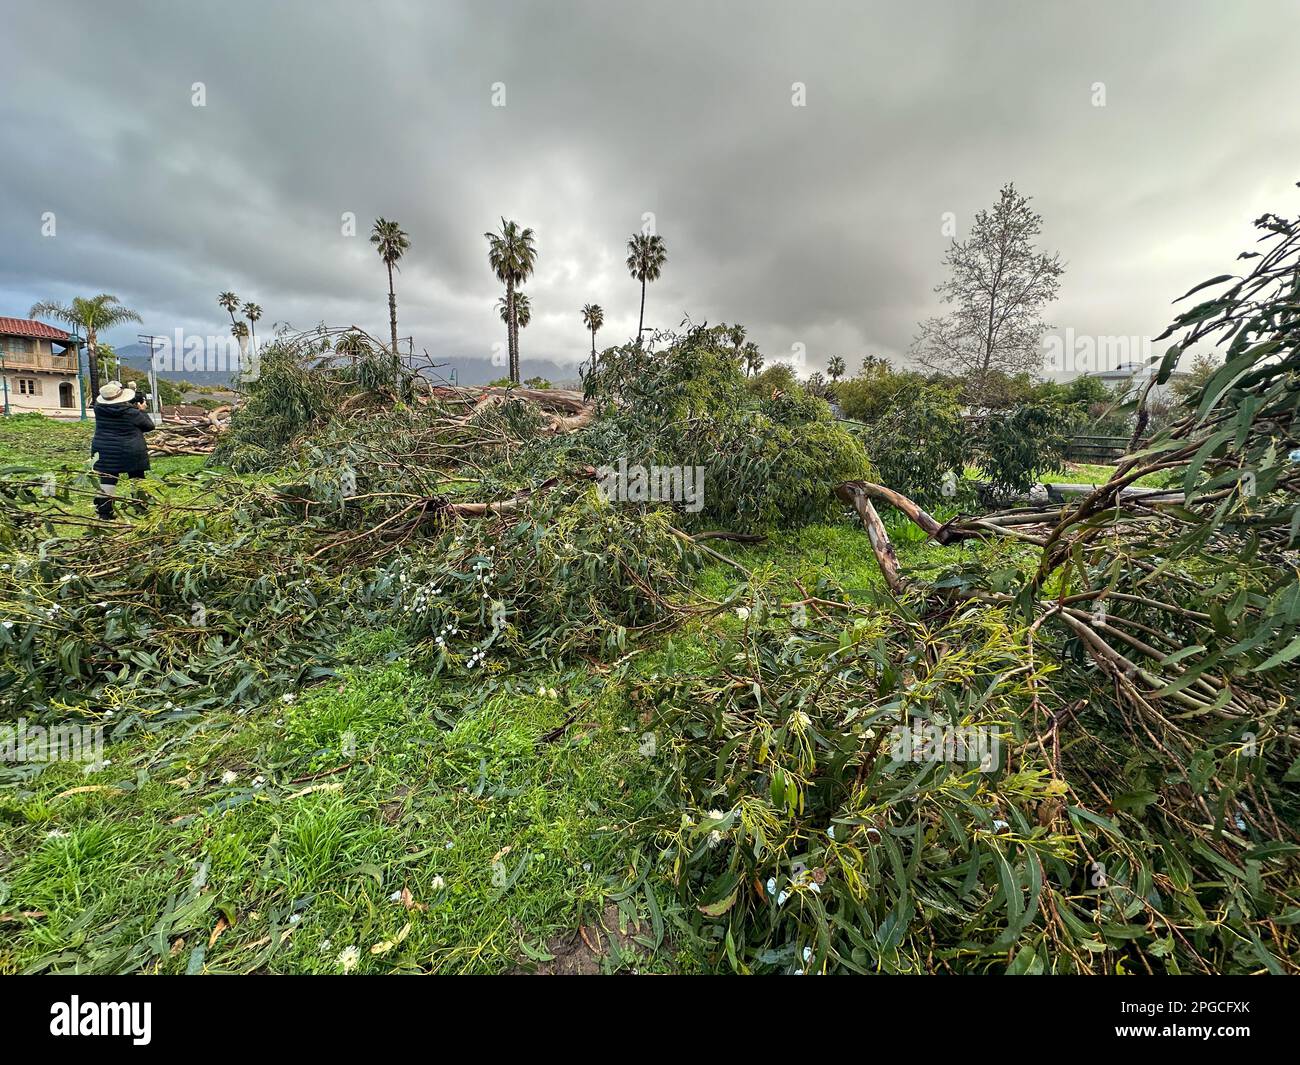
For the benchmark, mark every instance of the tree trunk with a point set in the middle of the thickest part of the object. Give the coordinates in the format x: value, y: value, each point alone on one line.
x: 593, y: 349
x: 93, y: 370
x: 640, y: 325
x: 392, y: 318
x: 512, y: 335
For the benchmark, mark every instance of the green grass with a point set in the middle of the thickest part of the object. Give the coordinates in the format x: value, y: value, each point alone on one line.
x: 1094, y: 473
x: 293, y: 832
x: 35, y: 441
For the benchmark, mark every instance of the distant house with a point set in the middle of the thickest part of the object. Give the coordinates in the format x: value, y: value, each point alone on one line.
x: 39, y: 366
x: 1130, y: 377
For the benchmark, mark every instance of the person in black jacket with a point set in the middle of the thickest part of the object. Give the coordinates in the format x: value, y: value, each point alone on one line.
x: 118, y: 444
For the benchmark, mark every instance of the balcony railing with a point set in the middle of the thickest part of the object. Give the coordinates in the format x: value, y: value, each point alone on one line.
x: 27, y: 360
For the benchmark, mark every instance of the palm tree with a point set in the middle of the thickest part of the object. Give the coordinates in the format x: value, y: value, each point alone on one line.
x: 753, y: 359
x: 593, y: 317
x: 523, y: 310
x: 835, y: 367
x: 253, y: 312
x: 736, y: 334
x: 230, y: 301
x: 353, y: 345
x: 512, y: 256
x: 646, y: 256
x: 391, y: 243
x: 93, y: 314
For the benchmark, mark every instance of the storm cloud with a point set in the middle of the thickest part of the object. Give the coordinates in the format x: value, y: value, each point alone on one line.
x: 819, y: 225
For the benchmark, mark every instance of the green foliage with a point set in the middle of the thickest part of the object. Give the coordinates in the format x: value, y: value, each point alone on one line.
x: 771, y: 455
x: 803, y: 839
x: 301, y: 386
x: 1015, y: 447
x: 916, y: 441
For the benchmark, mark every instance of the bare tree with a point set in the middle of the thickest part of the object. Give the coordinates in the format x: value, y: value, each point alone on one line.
x: 999, y: 285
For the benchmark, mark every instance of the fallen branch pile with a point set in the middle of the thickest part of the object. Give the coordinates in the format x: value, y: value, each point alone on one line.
x: 183, y: 432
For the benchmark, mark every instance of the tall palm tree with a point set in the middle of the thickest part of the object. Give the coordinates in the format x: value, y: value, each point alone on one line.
x: 753, y: 359
x: 92, y: 314
x: 736, y: 334
x: 593, y: 317
x: 391, y: 243
x: 512, y: 255
x: 646, y: 256
x: 835, y: 367
x: 230, y: 301
x: 253, y: 312
x: 523, y: 309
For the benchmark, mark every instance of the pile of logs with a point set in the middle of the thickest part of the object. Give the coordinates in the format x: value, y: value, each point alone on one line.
x: 189, y: 431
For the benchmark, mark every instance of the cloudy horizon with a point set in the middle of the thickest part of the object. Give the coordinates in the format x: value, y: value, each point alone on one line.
x: 820, y: 225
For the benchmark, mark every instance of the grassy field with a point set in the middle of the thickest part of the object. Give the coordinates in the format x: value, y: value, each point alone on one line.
x: 380, y: 822
x: 34, y: 441
x: 383, y: 820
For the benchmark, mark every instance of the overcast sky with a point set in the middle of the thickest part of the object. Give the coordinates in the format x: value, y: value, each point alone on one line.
x: 819, y: 225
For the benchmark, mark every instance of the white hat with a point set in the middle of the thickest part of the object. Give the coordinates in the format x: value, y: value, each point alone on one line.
x: 113, y: 393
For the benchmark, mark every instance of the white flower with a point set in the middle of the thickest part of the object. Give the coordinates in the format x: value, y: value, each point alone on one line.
x: 295, y: 918
x: 229, y: 776
x: 437, y: 883
x: 771, y: 885
x: 55, y: 833
x: 325, y: 944
x: 742, y: 612
x: 288, y: 697
x: 348, y: 958
x: 396, y: 896
x: 715, y: 838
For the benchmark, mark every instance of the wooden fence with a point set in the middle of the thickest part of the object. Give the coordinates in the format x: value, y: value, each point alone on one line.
x: 1104, y: 449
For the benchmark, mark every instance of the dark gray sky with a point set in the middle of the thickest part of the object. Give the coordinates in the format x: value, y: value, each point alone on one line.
x: 818, y: 225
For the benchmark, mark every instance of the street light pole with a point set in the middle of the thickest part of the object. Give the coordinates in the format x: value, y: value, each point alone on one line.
x: 75, y: 337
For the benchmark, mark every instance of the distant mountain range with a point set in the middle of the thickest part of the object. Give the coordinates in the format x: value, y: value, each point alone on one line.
x: 469, y: 371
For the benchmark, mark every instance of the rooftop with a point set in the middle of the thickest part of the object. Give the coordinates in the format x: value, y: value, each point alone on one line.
x: 27, y: 327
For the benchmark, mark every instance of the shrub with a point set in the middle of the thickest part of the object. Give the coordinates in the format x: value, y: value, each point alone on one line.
x: 1013, y: 448
x: 916, y: 442
x: 771, y: 453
